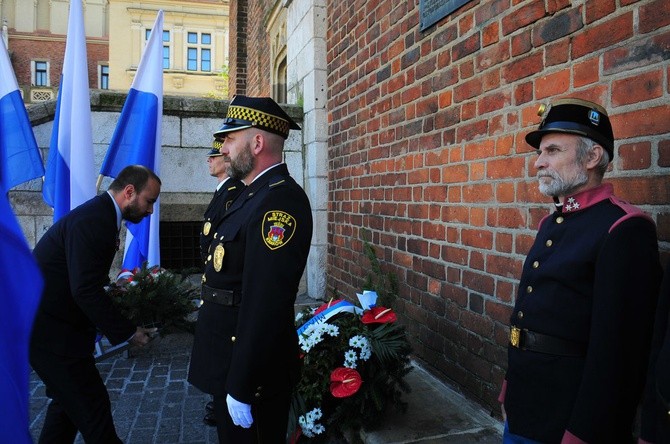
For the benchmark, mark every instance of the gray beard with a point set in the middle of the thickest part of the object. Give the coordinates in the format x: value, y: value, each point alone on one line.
x: 559, y: 187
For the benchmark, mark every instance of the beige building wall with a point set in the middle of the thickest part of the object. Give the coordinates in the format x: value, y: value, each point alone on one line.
x: 28, y: 16
x: 129, y: 22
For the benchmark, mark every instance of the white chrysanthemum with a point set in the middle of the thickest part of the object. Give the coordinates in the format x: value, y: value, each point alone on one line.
x: 313, y: 334
x: 299, y: 316
x: 307, y: 423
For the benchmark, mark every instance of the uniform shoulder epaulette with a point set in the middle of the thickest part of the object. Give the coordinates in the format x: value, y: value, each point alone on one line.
x: 630, y: 210
x: 234, y: 187
x: 275, y: 184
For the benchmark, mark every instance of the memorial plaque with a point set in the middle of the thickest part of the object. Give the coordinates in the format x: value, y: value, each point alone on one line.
x: 432, y: 11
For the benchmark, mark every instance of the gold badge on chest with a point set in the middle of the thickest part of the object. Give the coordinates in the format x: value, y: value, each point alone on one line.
x: 219, y: 252
x: 206, y: 228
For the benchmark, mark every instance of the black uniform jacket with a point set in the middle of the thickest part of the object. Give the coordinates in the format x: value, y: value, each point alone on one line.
x: 656, y: 406
x: 75, y: 256
x: 251, y: 350
x: 590, y: 278
x: 222, y: 199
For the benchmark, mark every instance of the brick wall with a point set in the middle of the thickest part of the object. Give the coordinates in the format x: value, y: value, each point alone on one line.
x: 258, y: 49
x: 25, y: 50
x: 427, y: 158
x: 237, y: 53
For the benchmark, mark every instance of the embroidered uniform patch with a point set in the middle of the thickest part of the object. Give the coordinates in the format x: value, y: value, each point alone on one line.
x: 278, y: 229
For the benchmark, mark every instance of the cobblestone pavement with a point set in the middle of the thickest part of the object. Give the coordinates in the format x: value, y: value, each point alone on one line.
x: 152, y: 403
x: 151, y: 400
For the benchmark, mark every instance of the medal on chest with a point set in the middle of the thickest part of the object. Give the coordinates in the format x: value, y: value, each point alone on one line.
x: 217, y: 260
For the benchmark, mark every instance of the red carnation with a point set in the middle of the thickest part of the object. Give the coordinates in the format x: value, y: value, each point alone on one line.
x: 379, y: 315
x: 344, y: 382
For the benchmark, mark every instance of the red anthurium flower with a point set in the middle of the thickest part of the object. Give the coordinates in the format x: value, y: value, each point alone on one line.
x: 379, y: 315
x: 344, y: 382
x: 327, y: 306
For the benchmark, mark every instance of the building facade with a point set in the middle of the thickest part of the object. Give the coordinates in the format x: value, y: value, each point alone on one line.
x: 195, y: 40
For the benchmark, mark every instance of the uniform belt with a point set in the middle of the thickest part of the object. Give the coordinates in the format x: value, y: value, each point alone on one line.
x: 230, y: 298
x: 538, y: 342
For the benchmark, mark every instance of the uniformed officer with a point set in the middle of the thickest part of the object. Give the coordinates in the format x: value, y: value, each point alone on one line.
x: 581, y: 324
x: 226, y: 191
x: 245, y: 350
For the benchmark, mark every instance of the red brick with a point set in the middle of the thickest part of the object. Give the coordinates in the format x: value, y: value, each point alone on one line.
x: 638, y: 88
x: 521, y: 43
x: 597, y: 9
x: 663, y: 227
x: 654, y: 15
x: 490, y: 33
x: 472, y: 130
x: 478, y: 193
x: 468, y: 110
x: 634, y: 156
x: 494, y: 102
x: 464, y: 48
x: 557, y: 26
x: 523, y: 93
x: 642, y: 122
x: 523, y: 67
x: 664, y: 153
x: 504, y: 291
x: 636, y: 55
x: 602, y: 36
x: 523, y: 16
x: 586, y: 72
x: 505, y: 168
x: 493, y: 56
x: 643, y: 190
x: 552, y: 84
x: 505, y: 266
x: 557, y: 53
x: 503, y: 242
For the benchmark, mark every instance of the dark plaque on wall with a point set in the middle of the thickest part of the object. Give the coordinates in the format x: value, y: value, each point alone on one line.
x: 432, y: 11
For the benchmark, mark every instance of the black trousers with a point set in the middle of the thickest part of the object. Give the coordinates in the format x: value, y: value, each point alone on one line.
x: 79, y: 400
x: 270, y: 421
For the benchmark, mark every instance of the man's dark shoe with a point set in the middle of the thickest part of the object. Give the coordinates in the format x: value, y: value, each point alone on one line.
x: 209, y: 419
x: 209, y: 407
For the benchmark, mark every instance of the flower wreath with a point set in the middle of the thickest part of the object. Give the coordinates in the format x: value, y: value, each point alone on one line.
x: 354, y: 363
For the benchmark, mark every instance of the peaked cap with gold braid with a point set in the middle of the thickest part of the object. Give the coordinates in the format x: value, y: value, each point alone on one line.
x: 257, y: 112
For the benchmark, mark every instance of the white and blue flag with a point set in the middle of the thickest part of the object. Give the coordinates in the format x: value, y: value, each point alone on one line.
x: 70, y: 174
x: 137, y: 141
x: 20, y: 159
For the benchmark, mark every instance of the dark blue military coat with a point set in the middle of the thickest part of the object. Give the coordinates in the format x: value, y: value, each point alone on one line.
x: 589, y: 283
x: 259, y: 249
x: 222, y: 199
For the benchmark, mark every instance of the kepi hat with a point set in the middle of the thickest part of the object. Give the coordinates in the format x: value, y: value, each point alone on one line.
x: 575, y: 116
x: 214, y: 152
x: 257, y: 112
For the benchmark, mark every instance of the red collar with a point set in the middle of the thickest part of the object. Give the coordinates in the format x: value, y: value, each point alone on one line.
x: 587, y: 198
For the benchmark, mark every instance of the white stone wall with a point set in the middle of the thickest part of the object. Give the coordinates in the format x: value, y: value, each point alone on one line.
x: 306, y: 78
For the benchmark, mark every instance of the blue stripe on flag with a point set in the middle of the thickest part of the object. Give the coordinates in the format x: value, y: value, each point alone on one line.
x: 22, y: 288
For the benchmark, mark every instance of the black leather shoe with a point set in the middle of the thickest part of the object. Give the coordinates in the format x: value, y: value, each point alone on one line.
x: 209, y: 419
x: 209, y: 407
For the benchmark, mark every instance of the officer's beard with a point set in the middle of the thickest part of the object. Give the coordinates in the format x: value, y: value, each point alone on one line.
x: 243, y: 164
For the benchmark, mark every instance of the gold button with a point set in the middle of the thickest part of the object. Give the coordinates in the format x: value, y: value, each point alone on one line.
x: 549, y: 243
x: 259, y: 388
x: 520, y: 315
x: 233, y: 339
x: 257, y: 395
x: 209, y: 258
x: 536, y: 264
x: 529, y: 289
x: 215, y: 235
x: 559, y: 220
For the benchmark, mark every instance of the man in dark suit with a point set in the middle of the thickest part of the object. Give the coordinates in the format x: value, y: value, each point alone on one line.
x: 582, y: 319
x: 245, y: 351
x: 75, y: 256
x: 226, y: 191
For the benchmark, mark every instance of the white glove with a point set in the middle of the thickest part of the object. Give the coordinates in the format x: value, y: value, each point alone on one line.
x: 239, y: 412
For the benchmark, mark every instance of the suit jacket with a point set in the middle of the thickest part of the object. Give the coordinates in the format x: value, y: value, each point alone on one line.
x: 75, y: 256
x: 251, y: 350
x: 222, y: 199
x: 591, y: 277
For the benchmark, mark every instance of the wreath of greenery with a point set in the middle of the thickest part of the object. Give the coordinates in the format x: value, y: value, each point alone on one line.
x: 153, y: 296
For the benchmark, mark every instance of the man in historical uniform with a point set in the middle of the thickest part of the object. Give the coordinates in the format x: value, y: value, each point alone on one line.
x: 226, y: 191
x: 245, y: 350
x: 581, y: 324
